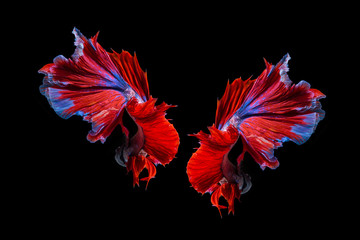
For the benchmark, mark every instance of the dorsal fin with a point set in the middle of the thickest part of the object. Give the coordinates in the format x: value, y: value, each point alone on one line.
x: 233, y: 98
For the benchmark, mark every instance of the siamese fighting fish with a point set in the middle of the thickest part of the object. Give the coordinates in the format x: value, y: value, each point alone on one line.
x: 100, y: 87
x: 262, y: 113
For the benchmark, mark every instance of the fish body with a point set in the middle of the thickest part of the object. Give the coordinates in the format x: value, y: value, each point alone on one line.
x: 262, y: 113
x: 99, y: 86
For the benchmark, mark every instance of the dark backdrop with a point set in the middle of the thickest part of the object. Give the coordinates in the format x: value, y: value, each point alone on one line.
x: 69, y: 183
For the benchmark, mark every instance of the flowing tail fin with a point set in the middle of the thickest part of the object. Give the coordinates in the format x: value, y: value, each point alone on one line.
x: 88, y: 85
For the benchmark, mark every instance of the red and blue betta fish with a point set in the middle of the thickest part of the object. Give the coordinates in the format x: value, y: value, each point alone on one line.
x: 262, y: 113
x: 100, y: 86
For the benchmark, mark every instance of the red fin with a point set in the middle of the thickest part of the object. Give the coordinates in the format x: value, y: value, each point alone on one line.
x: 149, y: 165
x: 269, y: 111
x: 137, y: 164
x: 231, y: 101
x: 101, y: 107
x: 229, y: 191
x: 204, y: 166
x: 131, y: 72
x: 161, y: 138
x: 215, y: 196
x: 88, y: 85
x: 276, y: 111
x: 161, y: 141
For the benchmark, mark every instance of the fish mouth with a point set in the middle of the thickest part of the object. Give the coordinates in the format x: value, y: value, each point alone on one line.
x: 121, y: 157
x: 246, y: 183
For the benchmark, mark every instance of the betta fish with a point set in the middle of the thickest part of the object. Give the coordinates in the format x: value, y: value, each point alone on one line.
x: 100, y: 86
x: 262, y: 113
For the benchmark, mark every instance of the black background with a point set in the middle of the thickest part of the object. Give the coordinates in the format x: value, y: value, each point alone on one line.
x: 190, y: 52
